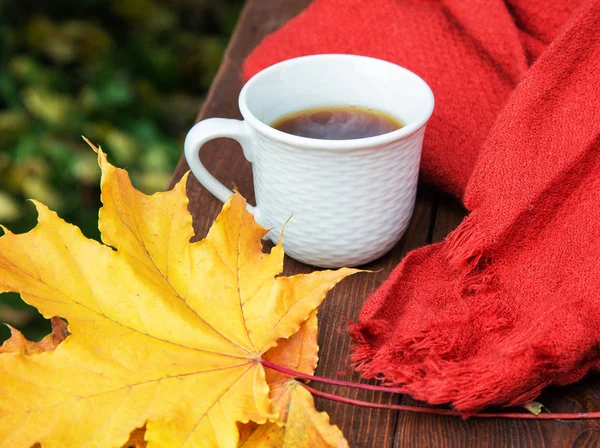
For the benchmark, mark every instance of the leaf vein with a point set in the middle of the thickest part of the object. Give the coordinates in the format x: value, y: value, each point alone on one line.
x: 175, y: 292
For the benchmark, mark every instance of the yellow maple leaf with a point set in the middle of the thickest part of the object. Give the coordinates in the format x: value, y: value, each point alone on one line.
x: 299, y: 424
x: 163, y: 332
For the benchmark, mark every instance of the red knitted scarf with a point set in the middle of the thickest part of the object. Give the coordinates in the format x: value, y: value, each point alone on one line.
x: 510, y: 302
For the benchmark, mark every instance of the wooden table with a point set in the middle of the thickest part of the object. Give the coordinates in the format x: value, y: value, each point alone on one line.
x: 435, y: 215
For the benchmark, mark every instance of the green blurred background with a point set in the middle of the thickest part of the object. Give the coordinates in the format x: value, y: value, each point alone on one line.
x: 128, y: 74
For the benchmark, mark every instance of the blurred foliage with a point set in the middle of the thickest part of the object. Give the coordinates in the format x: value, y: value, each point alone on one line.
x: 128, y: 74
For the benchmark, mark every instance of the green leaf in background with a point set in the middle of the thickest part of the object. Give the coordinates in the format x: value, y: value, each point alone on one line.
x: 129, y: 74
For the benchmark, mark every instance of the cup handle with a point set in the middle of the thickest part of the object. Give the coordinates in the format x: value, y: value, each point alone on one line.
x: 210, y: 129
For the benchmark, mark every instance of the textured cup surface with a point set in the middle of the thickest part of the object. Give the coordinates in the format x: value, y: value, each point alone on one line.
x: 346, y: 208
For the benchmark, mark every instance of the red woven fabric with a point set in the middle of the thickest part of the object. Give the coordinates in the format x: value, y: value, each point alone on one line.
x: 510, y: 302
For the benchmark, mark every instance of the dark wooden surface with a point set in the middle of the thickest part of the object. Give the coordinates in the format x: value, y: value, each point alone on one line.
x: 435, y: 215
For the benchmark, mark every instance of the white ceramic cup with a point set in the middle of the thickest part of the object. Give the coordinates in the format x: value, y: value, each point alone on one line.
x: 349, y: 201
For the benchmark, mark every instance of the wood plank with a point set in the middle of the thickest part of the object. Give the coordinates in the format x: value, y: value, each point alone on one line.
x: 365, y: 427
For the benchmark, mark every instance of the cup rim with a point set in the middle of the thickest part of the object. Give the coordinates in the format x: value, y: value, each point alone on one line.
x: 315, y: 143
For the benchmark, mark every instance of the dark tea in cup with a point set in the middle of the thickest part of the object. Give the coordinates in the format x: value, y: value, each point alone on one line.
x: 337, y: 123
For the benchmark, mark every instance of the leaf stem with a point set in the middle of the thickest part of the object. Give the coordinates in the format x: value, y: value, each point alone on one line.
x: 320, y: 379
x: 435, y: 411
x: 423, y: 410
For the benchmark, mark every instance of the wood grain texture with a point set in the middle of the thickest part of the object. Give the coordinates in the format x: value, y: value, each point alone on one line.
x: 435, y: 215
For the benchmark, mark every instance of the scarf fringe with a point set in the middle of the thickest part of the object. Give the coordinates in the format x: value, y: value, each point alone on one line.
x: 465, y: 251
